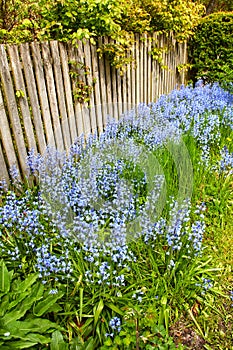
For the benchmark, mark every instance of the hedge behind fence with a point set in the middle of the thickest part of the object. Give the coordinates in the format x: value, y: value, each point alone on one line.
x: 211, y: 48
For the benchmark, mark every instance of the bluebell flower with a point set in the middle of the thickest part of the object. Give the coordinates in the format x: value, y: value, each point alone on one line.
x: 115, y: 324
x: 226, y: 161
x: 53, y: 291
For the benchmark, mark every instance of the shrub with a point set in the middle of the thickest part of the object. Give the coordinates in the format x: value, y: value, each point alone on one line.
x: 211, y: 48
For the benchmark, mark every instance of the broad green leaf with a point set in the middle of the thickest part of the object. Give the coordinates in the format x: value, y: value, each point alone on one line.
x: 24, y: 285
x: 114, y: 308
x: 4, y: 305
x: 18, y: 345
x: 23, y: 307
x: 18, y: 300
x: 44, y: 305
x: 58, y: 342
x: 97, y: 311
x: 91, y: 344
x: 37, y: 325
x: 56, y: 308
x: 16, y: 314
x: 34, y: 337
x: 38, y: 291
x: 15, y: 331
x: 4, y: 278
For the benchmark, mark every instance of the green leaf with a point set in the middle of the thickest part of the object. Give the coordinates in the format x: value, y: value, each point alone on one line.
x: 5, y: 278
x: 40, y: 339
x: 18, y: 345
x: 127, y: 340
x: 24, y: 306
x: 43, y: 306
x: 37, y: 325
x: 114, y: 308
x: 23, y: 286
x: 97, y: 311
x: 90, y: 345
x: 19, y: 93
x: 18, y: 300
x: 118, y: 340
x: 108, y: 342
x: 4, y: 305
x: 58, y: 342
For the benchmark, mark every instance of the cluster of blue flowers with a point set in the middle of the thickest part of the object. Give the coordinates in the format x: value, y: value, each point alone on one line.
x: 226, y: 162
x: 24, y: 224
x: 101, y: 195
x: 199, y: 111
x: 205, y: 285
x: 115, y: 325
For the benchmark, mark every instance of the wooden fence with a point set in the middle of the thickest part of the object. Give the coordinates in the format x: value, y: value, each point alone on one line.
x: 43, y: 88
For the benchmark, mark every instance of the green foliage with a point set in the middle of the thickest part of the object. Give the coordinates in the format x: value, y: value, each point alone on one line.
x: 150, y: 336
x: 20, y: 21
x: 211, y: 49
x: 72, y: 20
x: 22, y: 303
x: 179, y: 16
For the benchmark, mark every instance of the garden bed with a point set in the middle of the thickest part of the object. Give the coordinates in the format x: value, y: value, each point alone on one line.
x: 120, y: 244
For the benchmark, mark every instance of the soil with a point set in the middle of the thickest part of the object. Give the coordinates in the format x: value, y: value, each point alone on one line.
x: 184, y: 335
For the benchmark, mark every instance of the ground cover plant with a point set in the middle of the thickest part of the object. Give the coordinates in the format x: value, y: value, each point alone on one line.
x: 120, y: 244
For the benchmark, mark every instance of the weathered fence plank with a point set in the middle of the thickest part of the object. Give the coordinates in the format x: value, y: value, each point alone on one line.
x: 6, y: 138
x: 42, y: 93
x: 141, y: 70
x: 114, y: 89
x: 52, y: 97
x: 68, y: 92
x: 77, y: 106
x: 22, y: 95
x: 145, y: 69
x: 149, y: 70
x: 108, y: 75
x: 128, y: 81
x: 59, y: 85
x: 119, y: 93
x: 137, y: 57
x: 3, y: 167
x: 102, y: 86
x: 133, y: 75
x: 79, y: 55
x: 90, y: 84
x: 13, y: 109
x: 97, y: 96
x: 33, y: 97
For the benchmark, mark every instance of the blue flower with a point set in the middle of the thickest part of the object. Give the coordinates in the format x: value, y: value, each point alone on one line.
x: 115, y: 324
